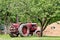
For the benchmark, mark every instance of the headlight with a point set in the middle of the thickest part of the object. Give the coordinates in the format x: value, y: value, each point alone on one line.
x: 12, y: 28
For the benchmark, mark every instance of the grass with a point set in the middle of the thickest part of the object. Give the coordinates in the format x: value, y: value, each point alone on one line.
x: 7, y: 37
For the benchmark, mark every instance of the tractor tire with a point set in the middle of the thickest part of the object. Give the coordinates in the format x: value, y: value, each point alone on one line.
x: 12, y: 35
x: 21, y: 30
x: 37, y: 33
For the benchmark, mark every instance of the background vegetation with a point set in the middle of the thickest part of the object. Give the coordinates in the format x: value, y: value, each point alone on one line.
x: 11, y: 10
x: 39, y: 11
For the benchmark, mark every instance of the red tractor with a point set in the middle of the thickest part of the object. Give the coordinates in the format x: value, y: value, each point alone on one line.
x: 23, y: 29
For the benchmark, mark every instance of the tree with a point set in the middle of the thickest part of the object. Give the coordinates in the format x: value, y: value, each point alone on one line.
x: 43, y: 10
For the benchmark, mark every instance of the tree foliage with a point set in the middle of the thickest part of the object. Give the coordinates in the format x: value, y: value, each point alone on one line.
x: 39, y: 11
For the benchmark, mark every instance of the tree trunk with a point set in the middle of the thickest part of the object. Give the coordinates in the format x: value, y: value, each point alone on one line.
x: 0, y: 20
x: 16, y: 18
x: 41, y: 31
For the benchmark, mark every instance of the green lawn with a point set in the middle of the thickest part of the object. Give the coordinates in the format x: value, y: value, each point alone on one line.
x: 7, y: 37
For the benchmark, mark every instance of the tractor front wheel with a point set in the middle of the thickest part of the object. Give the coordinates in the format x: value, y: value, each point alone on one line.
x: 13, y: 35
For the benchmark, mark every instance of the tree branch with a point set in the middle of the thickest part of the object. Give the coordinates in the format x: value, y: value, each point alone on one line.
x: 35, y: 17
x: 46, y: 24
x: 44, y: 21
x: 40, y: 21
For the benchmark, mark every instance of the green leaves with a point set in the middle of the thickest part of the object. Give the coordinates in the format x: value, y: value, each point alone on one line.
x: 38, y: 8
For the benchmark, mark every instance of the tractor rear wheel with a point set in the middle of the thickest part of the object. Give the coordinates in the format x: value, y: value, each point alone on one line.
x: 23, y: 30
